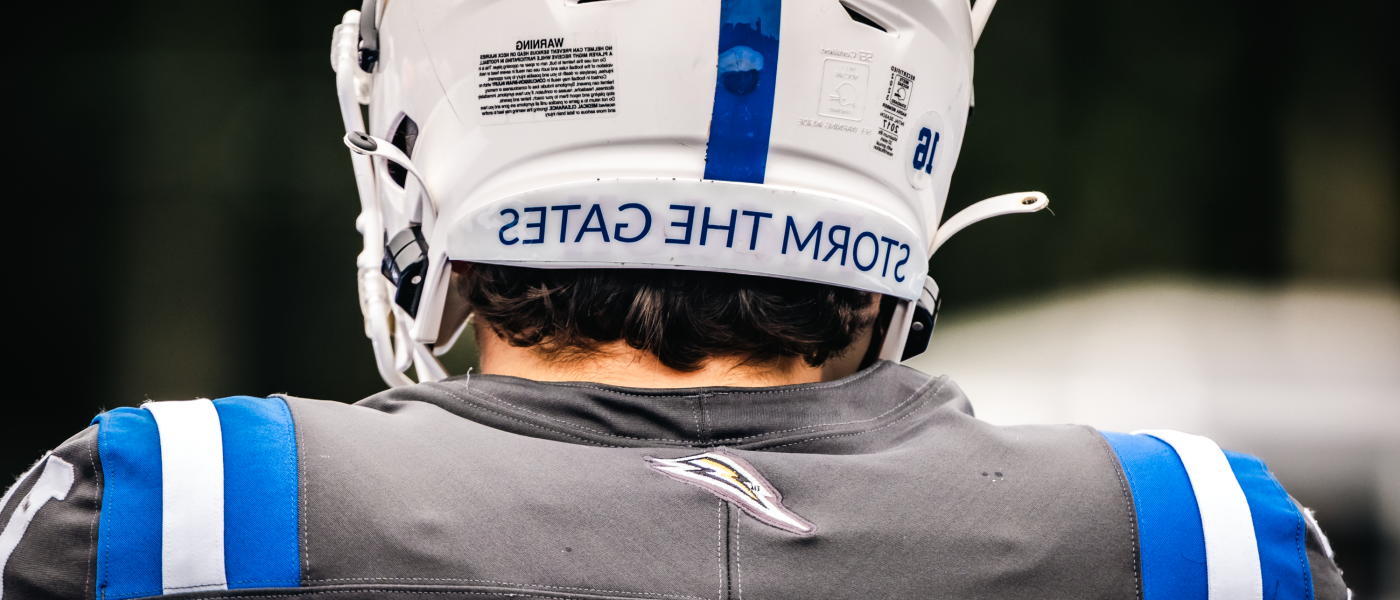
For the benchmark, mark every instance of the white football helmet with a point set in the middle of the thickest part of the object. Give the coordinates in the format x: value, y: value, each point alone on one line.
x: 802, y: 139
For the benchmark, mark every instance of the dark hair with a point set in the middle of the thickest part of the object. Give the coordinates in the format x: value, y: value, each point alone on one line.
x: 681, y: 317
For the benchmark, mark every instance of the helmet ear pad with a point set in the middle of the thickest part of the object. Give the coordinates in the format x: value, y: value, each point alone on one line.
x: 405, y: 265
x: 921, y: 329
x: 456, y: 309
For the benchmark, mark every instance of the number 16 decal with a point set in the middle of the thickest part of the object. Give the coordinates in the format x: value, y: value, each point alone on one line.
x: 923, y: 149
x: 923, y: 153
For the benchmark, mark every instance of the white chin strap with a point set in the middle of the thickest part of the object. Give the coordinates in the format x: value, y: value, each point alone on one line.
x: 981, y: 12
x: 911, y: 323
x: 395, y: 348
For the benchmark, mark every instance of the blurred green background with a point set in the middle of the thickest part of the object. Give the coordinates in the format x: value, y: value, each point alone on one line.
x: 190, y: 227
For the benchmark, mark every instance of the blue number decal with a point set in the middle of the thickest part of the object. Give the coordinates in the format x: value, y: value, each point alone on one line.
x: 928, y: 166
x: 921, y: 152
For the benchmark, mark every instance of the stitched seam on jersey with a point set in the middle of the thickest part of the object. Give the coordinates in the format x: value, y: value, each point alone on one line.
x: 707, y: 437
x: 506, y: 583
x: 199, y: 585
x: 1122, y: 472
x: 89, y: 582
x: 900, y: 406
x: 257, y: 581
x: 820, y: 386
x: 305, y: 500
x: 1299, y: 527
x: 353, y: 590
x: 292, y: 462
x: 738, y: 563
x: 514, y: 418
x: 517, y: 419
x: 1300, y: 540
x: 102, y: 551
x: 699, y: 431
x: 719, y: 547
x: 134, y: 594
x: 912, y: 411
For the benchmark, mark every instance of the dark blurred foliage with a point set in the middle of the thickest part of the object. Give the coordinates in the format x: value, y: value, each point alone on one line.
x: 186, y: 209
x: 1159, y: 132
x: 192, y: 211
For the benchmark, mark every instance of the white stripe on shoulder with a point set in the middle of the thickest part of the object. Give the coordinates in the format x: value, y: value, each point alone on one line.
x: 1312, y: 527
x: 192, y: 474
x: 5, y: 500
x: 1232, y: 554
x: 54, y: 483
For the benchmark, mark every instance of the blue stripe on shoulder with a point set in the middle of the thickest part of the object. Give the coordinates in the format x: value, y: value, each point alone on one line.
x: 1170, y: 537
x: 129, y: 531
x: 746, y: 76
x: 260, y: 493
x: 1278, y: 529
x: 261, y: 531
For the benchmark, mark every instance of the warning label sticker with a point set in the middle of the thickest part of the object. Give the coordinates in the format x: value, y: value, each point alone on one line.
x: 843, y: 89
x: 546, y: 78
x: 893, y: 111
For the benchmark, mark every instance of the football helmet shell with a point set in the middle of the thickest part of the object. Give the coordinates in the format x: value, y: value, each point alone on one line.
x: 803, y: 139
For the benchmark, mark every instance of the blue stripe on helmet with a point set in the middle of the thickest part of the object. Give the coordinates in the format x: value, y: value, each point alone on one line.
x: 1170, y: 537
x: 745, y: 78
x: 1278, y: 529
x: 260, y: 493
x: 129, y: 531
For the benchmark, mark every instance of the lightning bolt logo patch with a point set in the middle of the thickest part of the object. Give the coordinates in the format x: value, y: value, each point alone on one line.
x: 736, y: 481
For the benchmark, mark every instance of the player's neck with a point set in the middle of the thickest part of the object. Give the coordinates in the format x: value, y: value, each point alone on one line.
x: 621, y: 365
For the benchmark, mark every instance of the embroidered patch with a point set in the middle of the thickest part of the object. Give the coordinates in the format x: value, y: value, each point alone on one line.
x: 734, y: 480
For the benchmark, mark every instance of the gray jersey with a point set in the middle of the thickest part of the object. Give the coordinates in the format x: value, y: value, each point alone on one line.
x: 882, y: 484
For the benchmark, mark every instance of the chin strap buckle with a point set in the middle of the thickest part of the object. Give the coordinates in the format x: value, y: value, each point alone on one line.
x: 921, y: 326
x: 369, y: 36
x: 910, y: 325
x: 913, y: 321
x: 405, y: 265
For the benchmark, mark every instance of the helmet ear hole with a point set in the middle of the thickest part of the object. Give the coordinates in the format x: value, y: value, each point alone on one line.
x: 405, y: 135
x: 859, y: 17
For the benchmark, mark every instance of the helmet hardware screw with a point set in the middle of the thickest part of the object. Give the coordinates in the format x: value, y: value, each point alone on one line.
x: 362, y: 141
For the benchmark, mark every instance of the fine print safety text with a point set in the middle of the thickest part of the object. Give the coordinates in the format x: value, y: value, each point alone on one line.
x: 544, y: 79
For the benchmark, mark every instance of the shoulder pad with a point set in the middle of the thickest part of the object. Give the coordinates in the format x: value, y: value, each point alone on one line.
x: 198, y: 495
x: 1211, y: 523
